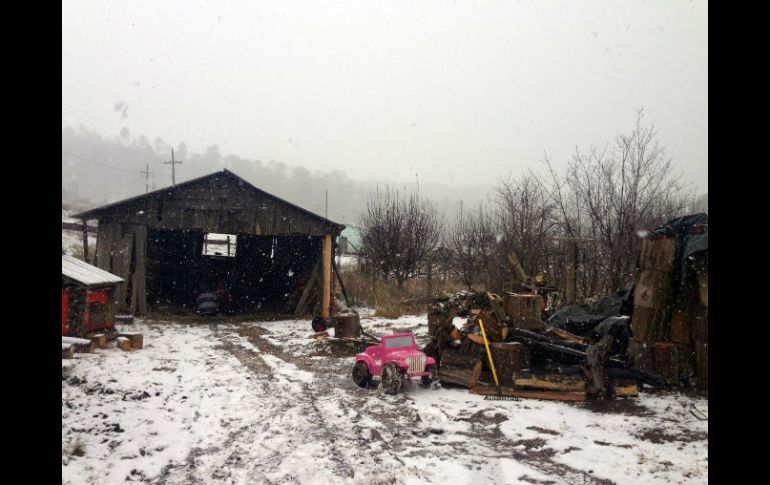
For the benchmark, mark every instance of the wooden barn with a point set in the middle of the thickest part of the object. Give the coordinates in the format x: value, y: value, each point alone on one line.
x: 216, y: 233
x: 87, y: 297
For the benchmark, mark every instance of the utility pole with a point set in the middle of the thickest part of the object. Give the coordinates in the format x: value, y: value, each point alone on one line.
x: 173, y: 162
x: 147, y: 178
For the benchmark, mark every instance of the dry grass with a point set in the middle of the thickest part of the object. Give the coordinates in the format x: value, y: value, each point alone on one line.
x: 387, y: 298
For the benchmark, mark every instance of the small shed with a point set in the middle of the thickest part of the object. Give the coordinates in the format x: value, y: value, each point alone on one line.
x: 87, y: 297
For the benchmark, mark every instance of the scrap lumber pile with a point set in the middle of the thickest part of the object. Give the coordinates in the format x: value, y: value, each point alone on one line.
x: 531, y: 358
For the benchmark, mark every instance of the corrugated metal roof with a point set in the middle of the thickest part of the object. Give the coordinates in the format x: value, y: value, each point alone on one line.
x: 85, y: 273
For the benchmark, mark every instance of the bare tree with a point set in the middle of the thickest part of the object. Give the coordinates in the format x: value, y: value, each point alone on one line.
x: 400, y: 233
x: 472, y: 244
x: 607, y: 195
x: 527, y: 219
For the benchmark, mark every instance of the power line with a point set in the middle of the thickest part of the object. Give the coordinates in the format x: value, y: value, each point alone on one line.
x: 100, y: 164
x: 87, y: 118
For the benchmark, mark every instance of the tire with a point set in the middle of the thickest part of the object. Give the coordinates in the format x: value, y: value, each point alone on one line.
x: 318, y: 324
x: 361, y: 375
x: 391, y: 380
x: 428, y: 380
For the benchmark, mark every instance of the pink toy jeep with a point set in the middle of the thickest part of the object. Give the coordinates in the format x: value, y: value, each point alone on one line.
x: 396, y: 358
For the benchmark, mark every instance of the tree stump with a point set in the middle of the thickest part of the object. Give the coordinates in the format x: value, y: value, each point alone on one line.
x: 348, y: 325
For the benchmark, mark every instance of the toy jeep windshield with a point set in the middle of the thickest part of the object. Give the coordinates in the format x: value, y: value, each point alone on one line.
x: 395, y: 359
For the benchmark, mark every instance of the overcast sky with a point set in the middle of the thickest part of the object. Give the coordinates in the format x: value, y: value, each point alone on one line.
x: 454, y: 92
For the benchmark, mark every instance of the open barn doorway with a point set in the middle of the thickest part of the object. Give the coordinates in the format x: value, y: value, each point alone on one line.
x: 249, y: 274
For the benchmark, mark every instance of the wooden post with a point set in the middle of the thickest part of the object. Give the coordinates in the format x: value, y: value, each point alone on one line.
x: 571, y: 272
x: 139, y: 297
x: 327, y: 275
x: 85, y: 240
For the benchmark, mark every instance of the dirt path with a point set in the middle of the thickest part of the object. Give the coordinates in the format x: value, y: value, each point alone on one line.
x: 406, y: 434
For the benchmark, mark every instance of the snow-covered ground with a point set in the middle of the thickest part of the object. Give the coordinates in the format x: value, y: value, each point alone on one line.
x: 261, y: 402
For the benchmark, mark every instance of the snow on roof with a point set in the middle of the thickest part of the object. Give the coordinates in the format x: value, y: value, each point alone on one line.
x: 85, y: 273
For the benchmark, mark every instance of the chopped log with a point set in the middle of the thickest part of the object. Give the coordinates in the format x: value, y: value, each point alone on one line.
x: 134, y: 337
x: 547, y: 395
x: 657, y: 254
x: 495, y: 304
x: 653, y: 299
x: 625, y: 388
x: 495, y: 329
x: 459, y: 369
x: 680, y: 326
x: 80, y: 344
x: 67, y: 351
x: 123, y: 343
x: 521, y: 307
x: 320, y: 335
x: 100, y: 340
x: 673, y: 362
x: 509, y: 357
x: 455, y: 334
x: 550, y: 382
x: 348, y: 325
x: 642, y: 356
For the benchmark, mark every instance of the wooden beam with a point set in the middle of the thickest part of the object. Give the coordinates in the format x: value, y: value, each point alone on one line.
x: 85, y: 240
x: 342, y: 285
x: 139, y: 283
x: 548, y: 395
x: 327, y: 275
x: 311, y: 282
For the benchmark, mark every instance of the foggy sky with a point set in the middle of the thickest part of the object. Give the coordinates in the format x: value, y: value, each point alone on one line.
x: 448, y: 92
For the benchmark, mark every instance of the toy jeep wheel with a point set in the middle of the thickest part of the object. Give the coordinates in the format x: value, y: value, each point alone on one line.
x: 361, y: 375
x: 391, y: 381
x: 428, y: 380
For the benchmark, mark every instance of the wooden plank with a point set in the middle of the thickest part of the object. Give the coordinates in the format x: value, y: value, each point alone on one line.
x: 625, y: 388
x: 550, y: 382
x: 546, y: 395
x: 85, y: 241
x: 139, y: 304
x: 327, y: 273
x: 311, y: 282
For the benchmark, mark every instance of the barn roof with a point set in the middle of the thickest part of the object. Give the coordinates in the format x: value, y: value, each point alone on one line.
x: 98, y: 211
x: 85, y: 273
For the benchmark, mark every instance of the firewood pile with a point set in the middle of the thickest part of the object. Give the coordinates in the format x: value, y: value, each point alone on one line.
x: 531, y: 357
